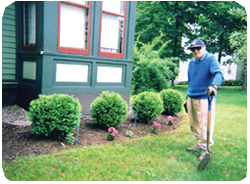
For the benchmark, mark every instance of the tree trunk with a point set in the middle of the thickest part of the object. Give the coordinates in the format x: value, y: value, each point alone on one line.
x: 172, y: 83
x: 220, y: 51
x: 244, y: 75
x: 244, y: 85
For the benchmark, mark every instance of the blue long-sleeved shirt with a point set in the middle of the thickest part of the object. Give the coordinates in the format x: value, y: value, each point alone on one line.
x: 201, y: 73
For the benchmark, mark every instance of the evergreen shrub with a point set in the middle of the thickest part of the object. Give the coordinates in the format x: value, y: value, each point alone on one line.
x: 232, y: 83
x: 54, y: 115
x: 109, y: 109
x: 150, y: 75
x: 172, y: 101
x: 149, y: 106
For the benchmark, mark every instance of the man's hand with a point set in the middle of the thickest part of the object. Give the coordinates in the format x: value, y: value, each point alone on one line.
x: 212, y: 89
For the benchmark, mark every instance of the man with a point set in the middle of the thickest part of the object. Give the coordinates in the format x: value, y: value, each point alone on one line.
x: 204, y: 79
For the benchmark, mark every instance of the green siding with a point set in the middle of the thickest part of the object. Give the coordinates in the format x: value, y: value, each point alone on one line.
x: 9, y: 43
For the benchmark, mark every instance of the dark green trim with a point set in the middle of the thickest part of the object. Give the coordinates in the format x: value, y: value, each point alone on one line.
x: 47, y: 56
x: 9, y: 85
x: 131, y: 17
x: 84, y: 90
x: 56, y: 54
x: 49, y: 24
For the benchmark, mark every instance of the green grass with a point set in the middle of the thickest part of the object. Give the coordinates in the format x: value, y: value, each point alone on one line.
x: 152, y: 158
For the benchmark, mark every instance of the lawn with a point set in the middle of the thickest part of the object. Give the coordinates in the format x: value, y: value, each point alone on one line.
x: 152, y: 158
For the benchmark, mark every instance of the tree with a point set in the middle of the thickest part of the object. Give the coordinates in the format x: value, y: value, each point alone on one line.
x: 211, y: 20
x: 216, y: 23
x: 238, y: 42
x: 150, y: 72
x: 167, y: 17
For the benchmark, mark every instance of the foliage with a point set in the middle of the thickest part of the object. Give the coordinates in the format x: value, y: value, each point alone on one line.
x: 70, y: 138
x: 150, y: 72
x: 215, y: 24
x: 238, y: 41
x: 54, y: 115
x: 149, y: 106
x: 149, y: 76
x: 208, y: 20
x: 232, y: 83
x: 109, y: 109
x: 172, y: 101
x: 129, y: 133
x: 167, y: 17
x: 182, y: 83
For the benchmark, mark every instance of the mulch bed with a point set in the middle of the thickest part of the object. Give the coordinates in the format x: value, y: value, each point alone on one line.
x: 19, y: 140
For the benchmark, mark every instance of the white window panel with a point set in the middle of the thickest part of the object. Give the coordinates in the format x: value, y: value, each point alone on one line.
x: 113, y: 6
x: 110, y: 32
x: 109, y: 74
x: 72, y: 26
x: 29, y: 70
x: 71, y: 73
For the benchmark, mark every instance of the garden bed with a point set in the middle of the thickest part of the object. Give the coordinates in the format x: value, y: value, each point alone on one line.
x: 18, y: 140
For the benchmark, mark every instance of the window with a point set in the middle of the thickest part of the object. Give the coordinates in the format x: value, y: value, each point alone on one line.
x: 71, y: 73
x: 29, y: 70
x: 74, y: 27
x: 113, y: 18
x: 29, y: 26
x: 107, y: 74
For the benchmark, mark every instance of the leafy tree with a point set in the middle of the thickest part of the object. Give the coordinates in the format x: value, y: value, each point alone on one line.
x: 167, y: 17
x: 238, y: 42
x: 216, y: 23
x: 150, y: 72
x: 211, y: 21
x: 208, y: 20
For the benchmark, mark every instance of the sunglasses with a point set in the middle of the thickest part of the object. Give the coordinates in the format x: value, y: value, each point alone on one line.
x: 195, y: 48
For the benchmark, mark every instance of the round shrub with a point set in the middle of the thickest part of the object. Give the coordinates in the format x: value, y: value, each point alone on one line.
x: 172, y: 101
x: 149, y: 106
x: 109, y: 109
x: 54, y: 115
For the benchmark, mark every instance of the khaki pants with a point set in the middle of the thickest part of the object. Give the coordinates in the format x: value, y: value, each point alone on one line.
x: 198, y: 114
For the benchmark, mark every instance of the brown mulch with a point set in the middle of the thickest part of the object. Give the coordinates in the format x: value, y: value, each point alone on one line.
x: 19, y: 140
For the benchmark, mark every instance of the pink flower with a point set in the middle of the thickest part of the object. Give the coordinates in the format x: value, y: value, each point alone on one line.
x: 170, y: 118
x: 110, y: 129
x: 155, y: 124
x: 113, y: 130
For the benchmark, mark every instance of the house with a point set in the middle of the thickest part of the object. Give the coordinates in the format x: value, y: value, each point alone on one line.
x: 80, y: 48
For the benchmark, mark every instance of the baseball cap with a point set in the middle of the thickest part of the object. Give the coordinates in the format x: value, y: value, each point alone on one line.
x: 197, y: 43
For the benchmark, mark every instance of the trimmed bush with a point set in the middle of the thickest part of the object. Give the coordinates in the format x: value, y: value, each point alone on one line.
x: 232, y: 83
x: 172, y: 101
x: 54, y: 115
x: 149, y: 106
x: 109, y: 109
x: 151, y: 76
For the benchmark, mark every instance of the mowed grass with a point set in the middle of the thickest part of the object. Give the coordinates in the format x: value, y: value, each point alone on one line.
x: 152, y: 158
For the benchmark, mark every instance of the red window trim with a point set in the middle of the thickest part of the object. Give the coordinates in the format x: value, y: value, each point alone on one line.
x: 68, y: 49
x: 108, y: 54
x: 29, y: 47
